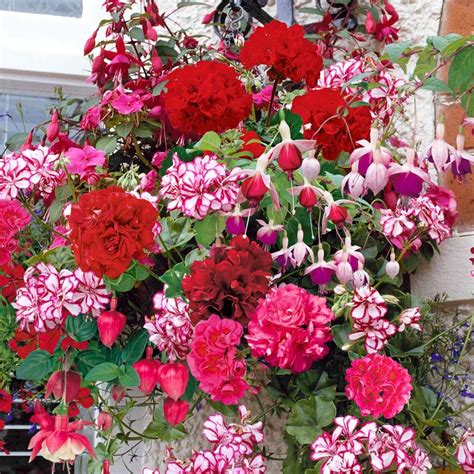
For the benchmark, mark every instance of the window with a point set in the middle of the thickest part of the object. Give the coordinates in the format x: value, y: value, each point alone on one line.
x: 71, y: 8
x: 20, y: 113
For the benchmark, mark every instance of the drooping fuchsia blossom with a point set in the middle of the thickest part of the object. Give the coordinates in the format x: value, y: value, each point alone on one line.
x: 290, y: 328
x: 465, y: 451
x: 284, y: 257
x: 83, y: 161
x: 288, y: 152
x: 235, y: 223
x: 310, y: 168
x: 170, y: 328
x: 334, y: 212
x: 257, y: 183
x: 384, y: 29
x: 307, y: 194
x: 364, y: 155
x: 353, y: 183
x: 355, y: 257
x: 58, y: 440
x: 440, y: 153
x: 200, y: 187
x: 344, y: 270
x: 267, y: 234
x: 376, y: 176
x: 321, y: 272
x: 408, y: 178
x: 463, y: 161
x: 300, y: 251
x: 120, y: 61
x: 392, y: 269
x: 360, y: 277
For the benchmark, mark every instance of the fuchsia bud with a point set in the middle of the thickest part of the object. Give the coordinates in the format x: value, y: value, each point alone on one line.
x: 208, y: 17
x: 118, y: 393
x: 147, y: 370
x: 90, y: 44
x: 344, y: 270
x: 338, y: 214
x: 156, y: 62
x: 393, y: 267
x: 173, y: 379
x: 110, y: 325
x: 254, y: 188
x: 65, y: 383
x: 376, y: 177
x: 175, y: 411
x: 235, y: 225
x: 53, y: 127
x: 370, y: 23
x: 310, y: 167
x: 106, y: 466
x: 360, y: 277
x: 104, y: 421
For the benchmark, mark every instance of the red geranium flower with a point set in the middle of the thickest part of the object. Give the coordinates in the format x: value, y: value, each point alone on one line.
x: 252, y: 143
x: 229, y: 282
x: 5, y: 401
x: 109, y: 228
x: 195, y: 105
x: 11, y: 278
x: 328, y: 119
x: 27, y: 340
x: 285, y: 49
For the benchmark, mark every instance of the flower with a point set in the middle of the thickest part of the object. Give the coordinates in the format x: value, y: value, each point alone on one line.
x: 83, y: 161
x: 252, y: 144
x: 367, y: 304
x: 378, y: 385
x: 13, y: 218
x: 383, y: 30
x: 195, y: 105
x: 170, y: 328
x: 109, y: 228
x: 464, y: 160
x: 229, y: 282
x: 326, y: 123
x: 408, y: 179
x: 57, y: 439
x: 285, y: 50
x: 409, y: 318
x: 126, y: 104
x: 440, y: 153
x: 465, y: 451
x: 267, y: 234
x: 5, y: 401
x: 289, y: 328
x: 200, y: 187
x: 321, y: 272
x: 375, y: 333
x: 214, y: 361
x: 91, y: 119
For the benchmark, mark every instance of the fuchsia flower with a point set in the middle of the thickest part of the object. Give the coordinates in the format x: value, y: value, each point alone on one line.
x: 263, y: 97
x: 354, y: 256
x: 364, y: 156
x: 408, y: 179
x: 463, y: 160
x: 300, y: 251
x: 307, y: 194
x: 83, y: 161
x: 214, y: 360
x: 353, y: 183
x: 321, y: 272
x: 440, y: 153
x: 378, y: 385
x: 384, y: 29
x: 200, y: 187
x: 290, y: 328
x: 284, y: 257
x: 58, y: 440
x: 377, y: 173
x: 334, y: 212
x: 267, y: 234
x: 170, y: 328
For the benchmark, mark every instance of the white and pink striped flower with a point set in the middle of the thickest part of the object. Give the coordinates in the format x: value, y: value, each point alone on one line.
x: 375, y: 333
x: 367, y: 305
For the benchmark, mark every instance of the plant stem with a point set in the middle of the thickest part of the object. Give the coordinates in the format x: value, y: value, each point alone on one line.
x: 270, y: 105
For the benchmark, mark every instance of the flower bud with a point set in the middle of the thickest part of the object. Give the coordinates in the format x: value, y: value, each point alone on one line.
x: 147, y: 370
x: 360, y: 278
x: 254, y: 188
x: 118, y: 393
x: 106, y: 466
x: 370, y: 23
x: 90, y: 44
x: 173, y: 379
x: 310, y: 168
x: 175, y: 411
x: 53, y: 127
x: 338, y: 214
x: 64, y: 383
x: 235, y: 225
x: 208, y: 17
x: 308, y: 197
x: 104, y: 421
x: 110, y: 325
x: 156, y: 62
x: 392, y: 269
x: 290, y: 158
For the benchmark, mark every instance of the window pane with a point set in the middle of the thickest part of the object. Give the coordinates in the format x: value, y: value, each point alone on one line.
x: 44, y: 7
x: 20, y: 113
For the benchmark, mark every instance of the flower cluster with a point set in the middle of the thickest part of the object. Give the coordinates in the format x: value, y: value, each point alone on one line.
x: 195, y: 105
x: 290, y: 328
x: 215, y: 362
x: 30, y: 170
x: 170, y: 328
x: 13, y: 218
x: 378, y: 385
x: 324, y: 121
x: 233, y: 447
x: 200, y: 187
x: 285, y: 50
x: 109, y: 228
x: 49, y: 296
x: 465, y: 452
x: 229, y: 282
x: 387, y: 447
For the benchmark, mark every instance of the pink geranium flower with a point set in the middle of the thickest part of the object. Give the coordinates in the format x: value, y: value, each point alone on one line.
x: 83, y: 161
x: 379, y: 385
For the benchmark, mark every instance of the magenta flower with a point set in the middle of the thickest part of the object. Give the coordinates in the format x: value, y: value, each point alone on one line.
x: 83, y: 161
x: 267, y: 234
x: 321, y: 272
x: 463, y: 160
x: 375, y: 334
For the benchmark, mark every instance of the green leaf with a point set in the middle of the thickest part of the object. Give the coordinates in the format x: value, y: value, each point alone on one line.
x: 190, y: 389
x: 340, y: 333
x: 36, y: 366
x: 104, y: 372
x: 395, y: 50
x: 165, y: 432
x: 124, y: 129
x: 81, y: 329
x: 308, y: 418
x: 442, y: 42
x: 207, y: 229
x: 173, y: 278
x: 436, y: 85
x: 89, y: 359
x: 135, y: 347
x: 461, y: 71
x: 107, y: 144
x: 175, y: 232
x: 121, y: 284
x: 128, y: 377
x: 209, y: 142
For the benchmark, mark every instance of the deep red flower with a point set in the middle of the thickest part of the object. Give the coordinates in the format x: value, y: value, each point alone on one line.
x: 11, y: 278
x: 229, y: 282
x: 285, y: 49
x: 252, y: 143
x: 5, y: 401
x: 195, y: 105
x: 27, y: 340
x: 109, y: 228
x: 335, y: 126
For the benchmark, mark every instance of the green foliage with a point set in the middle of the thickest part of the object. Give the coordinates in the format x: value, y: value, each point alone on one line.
x: 37, y: 366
